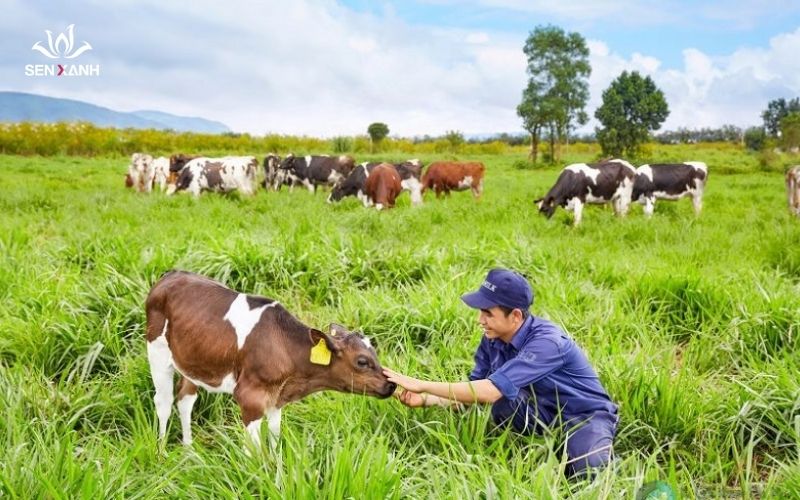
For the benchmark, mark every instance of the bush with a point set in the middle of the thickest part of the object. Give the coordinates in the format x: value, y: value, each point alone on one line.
x: 342, y: 144
x: 754, y: 138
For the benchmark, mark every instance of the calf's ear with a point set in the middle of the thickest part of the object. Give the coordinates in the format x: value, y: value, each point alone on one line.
x: 322, y: 347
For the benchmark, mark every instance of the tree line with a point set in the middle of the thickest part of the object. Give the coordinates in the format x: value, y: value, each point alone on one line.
x: 554, y: 100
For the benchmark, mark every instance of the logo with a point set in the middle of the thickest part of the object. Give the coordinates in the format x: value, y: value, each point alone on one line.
x: 62, y: 47
x: 490, y: 286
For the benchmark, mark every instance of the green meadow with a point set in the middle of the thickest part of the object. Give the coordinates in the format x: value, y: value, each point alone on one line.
x: 693, y: 325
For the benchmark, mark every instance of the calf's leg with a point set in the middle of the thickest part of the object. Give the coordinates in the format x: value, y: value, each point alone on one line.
x: 187, y: 395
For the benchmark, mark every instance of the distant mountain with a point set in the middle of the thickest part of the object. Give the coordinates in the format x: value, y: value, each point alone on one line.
x: 19, y: 106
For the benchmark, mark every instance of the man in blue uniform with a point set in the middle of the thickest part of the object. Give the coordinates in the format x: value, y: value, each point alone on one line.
x: 531, y: 373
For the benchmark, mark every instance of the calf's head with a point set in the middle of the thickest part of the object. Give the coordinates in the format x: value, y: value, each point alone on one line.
x: 352, y: 363
x: 547, y: 206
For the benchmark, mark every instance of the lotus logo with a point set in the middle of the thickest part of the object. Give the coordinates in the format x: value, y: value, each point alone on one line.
x: 63, y: 46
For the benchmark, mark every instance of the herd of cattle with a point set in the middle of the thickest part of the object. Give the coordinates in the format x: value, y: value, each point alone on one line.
x: 379, y: 184
x: 375, y: 184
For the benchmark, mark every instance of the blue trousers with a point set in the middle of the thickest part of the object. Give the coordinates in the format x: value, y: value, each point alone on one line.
x: 587, y: 441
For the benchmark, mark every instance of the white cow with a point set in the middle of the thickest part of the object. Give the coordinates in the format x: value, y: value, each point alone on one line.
x: 231, y: 173
x: 141, y: 173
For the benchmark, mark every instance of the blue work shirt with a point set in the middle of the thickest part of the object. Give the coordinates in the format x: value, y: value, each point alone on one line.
x: 548, y: 365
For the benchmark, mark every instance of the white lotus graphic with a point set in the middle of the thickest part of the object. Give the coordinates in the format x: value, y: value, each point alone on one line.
x: 63, y: 45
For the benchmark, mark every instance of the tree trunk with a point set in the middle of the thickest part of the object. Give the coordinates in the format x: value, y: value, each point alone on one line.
x: 534, y: 152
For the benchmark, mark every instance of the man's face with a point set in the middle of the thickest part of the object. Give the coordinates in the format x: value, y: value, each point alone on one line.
x: 496, y: 325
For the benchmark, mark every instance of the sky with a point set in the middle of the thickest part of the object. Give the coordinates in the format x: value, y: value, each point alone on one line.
x: 327, y: 68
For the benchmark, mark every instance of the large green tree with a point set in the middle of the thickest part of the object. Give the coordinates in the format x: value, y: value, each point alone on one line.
x: 632, y: 107
x: 377, y: 132
x: 776, y: 110
x: 558, y: 85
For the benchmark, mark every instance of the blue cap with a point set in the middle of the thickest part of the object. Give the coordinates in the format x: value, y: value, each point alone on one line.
x: 502, y: 287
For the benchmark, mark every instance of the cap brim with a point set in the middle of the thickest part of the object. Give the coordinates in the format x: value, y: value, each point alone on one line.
x: 477, y: 300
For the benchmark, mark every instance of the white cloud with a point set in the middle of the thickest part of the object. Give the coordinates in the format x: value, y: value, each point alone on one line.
x: 709, y: 91
x: 318, y: 68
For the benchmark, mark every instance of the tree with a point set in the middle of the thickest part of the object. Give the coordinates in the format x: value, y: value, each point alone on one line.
x: 455, y: 138
x: 776, y: 110
x: 558, y: 87
x: 754, y: 138
x: 790, y: 131
x: 632, y: 107
x: 377, y: 132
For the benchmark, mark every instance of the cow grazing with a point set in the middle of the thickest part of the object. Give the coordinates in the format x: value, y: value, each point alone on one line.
x: 793, y: 189
x: 383, y: 186
x: 314, y: 170
x: 141, y: 172
x: 217, y: 174
x: 161, y: 173
x: 355, y: 183
x: 248, y: 346
x: 597, y: 183
x: 271, y: 164
x: 446, y: 176
x: 670, y: 181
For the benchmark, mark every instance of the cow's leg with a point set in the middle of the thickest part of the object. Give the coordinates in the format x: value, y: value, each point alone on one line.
x: 649, y: 205
x: 578, y: 209
x: 477, y: 189
x: 187, y: 395
x: 697, y: 201
x: 162, y: 371
x: 253, y: 403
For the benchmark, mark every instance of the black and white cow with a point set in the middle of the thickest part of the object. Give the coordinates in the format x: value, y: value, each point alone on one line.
x: 596, y: 183
x: 271, y: 164
x: 311, y: 171
x: 410, y: 172
x: 217, y: 174
x: 670, y: 181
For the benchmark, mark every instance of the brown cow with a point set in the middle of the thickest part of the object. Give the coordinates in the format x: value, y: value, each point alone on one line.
x: 793, y: 189
x: 383, y: 186
x: 176, y: 164
x: 444, y: 176
x: 248, y: 346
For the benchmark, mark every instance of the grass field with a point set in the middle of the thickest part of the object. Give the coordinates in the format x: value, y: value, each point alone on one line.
x: 692, y: 324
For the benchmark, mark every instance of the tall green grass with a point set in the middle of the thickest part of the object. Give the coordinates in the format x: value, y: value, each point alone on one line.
x: 690, y: 322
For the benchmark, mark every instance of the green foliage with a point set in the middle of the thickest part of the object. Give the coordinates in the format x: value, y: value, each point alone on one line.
x: 342, y: 144
x: 377, y: 132
x: 455, y: 140
x: 776, y: 110
x: 558, y: 87
x: 632, y: 107
x: 754, y: 138
x: 790, y: 131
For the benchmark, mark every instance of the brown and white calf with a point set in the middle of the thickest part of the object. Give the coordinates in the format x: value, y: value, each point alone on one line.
x: 383, y: 186
x: 140, y: 173
x: 446, y: 176
x: 230, y: 173
x: 248, y: 346
x: 793, y: 189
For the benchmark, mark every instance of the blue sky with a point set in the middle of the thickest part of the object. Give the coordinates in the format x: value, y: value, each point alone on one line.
x: 327, y: 67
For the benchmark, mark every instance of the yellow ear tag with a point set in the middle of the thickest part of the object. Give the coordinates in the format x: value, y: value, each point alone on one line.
x: 320, y: 354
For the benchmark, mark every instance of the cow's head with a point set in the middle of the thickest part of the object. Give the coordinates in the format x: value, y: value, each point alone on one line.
x: 547, y: 206
x: 287, y: 163
x: 354, y: 365
x: 128, y: 181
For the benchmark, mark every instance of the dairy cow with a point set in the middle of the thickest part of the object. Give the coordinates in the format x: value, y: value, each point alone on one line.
x: 608, y: 181
x: 670, y: 181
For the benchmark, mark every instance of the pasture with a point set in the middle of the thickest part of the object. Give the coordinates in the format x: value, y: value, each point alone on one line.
x: 692, y: 325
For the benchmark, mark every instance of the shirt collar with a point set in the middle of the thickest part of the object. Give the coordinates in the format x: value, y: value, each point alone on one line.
x: 519, y: 338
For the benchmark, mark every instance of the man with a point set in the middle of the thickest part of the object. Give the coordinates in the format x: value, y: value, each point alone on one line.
x: 531, y: 373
